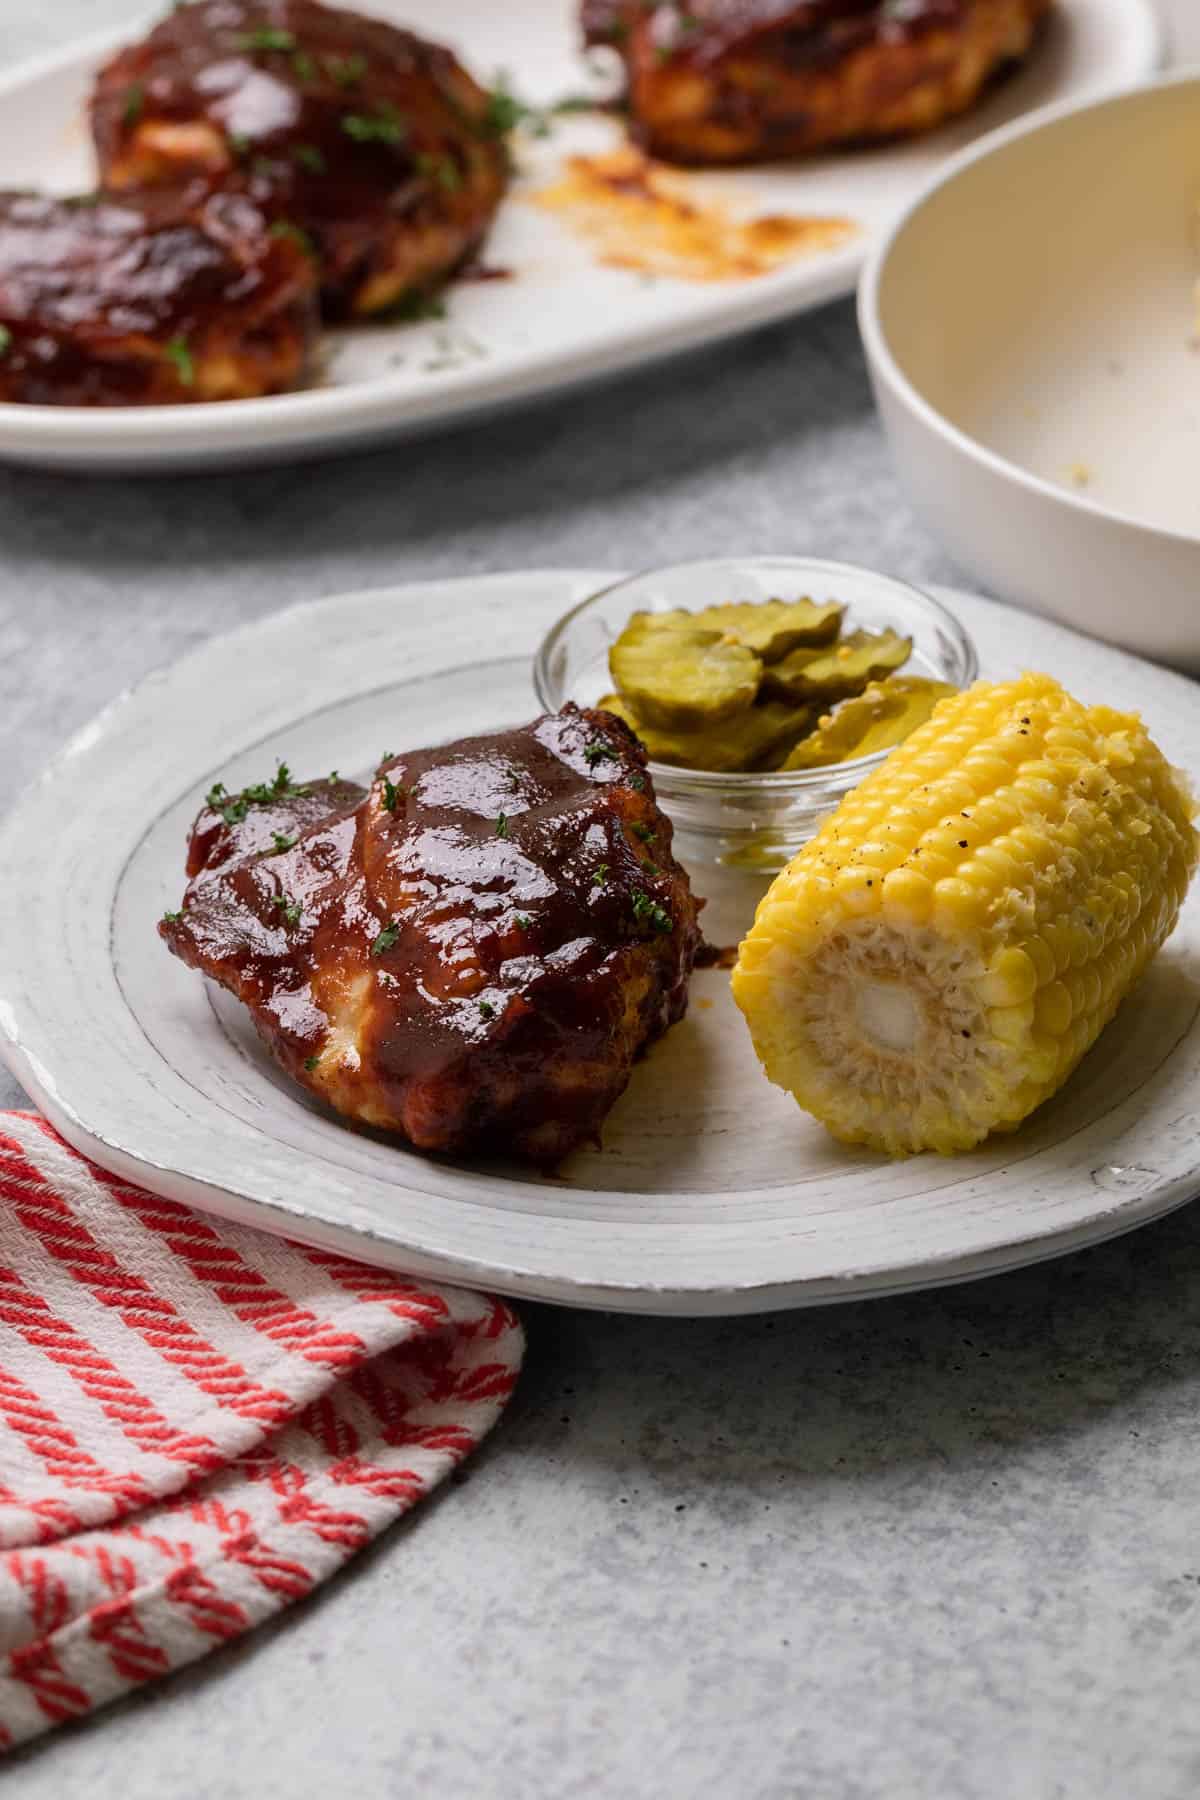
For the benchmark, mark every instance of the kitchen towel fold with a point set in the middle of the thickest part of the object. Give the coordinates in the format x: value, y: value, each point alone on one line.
x: 198, y: 1424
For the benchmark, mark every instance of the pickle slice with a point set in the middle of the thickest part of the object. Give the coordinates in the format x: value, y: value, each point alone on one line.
x: 840, y: 671
x: 682, y: 676
x: 728, y: 748
x: 878, y: 719
x: 773, y: 627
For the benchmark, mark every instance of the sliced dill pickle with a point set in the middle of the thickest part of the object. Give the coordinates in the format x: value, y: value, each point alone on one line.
x: 773, y: 627
x: 651, y: 737
x: 755, y: 739
x: 682, y: 676
x: 840, y: 671
x: 878, y: 719
x: 734, y: 745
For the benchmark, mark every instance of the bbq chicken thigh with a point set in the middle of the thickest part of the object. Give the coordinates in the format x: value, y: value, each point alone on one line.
x: 149, y: 298
x: 471, y: 953
x: 729, y: 81
x: 373, y: 144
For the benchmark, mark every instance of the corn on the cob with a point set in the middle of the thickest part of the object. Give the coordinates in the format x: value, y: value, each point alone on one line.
x: 933, y: 965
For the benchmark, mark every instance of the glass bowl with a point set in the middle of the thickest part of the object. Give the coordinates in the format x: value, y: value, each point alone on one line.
x: 753, y: 822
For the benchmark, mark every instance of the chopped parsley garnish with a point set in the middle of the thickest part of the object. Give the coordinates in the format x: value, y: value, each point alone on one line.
x: 291, y: 909
x: 415, y: 306
x: 600, y: 876
x: 504, y: 112
x: 386, y: 757
x: 502, y: 825
x: 575, y: 103
x: 440, y: 168
x: 5, y: 340
x: 486, y: 1009
x: 234, y: 807
x: 637, y: 783
x: 238, y: 142
x: 171, y: 917
x: 596, y: 752
x: 311, y: 1062
x: 522, y: 921
x: 282, y: 841
x: 648, y: 912
x: 265, y: 37
x: 305, y: 67
x: 333, y: 778
x: 391, y: 793
x: 281, y: 787
x: 346, y: 70
x: 293, y: 234
x: 385, y: 940
x: 311, y: 158
x: 644, y: 832
x: 179, y: 352
x: 135, y: 100
x: 382, y: 127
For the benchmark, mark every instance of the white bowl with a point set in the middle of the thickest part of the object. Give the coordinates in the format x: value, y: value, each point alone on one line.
x: 1030, y: 324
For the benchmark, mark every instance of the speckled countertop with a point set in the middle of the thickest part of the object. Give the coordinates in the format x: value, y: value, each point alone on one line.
x: 944, y: 1546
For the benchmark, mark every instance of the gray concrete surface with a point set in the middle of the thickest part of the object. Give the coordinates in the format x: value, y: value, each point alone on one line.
x: 944, y: 1546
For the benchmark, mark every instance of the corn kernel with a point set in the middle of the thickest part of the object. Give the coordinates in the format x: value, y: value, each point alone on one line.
x: 1040, y: 956
x: 859, y: 888
x: 1010, y: 980
x: 956, y: 902
x: 1011, y: 1023
x: 907, y: 896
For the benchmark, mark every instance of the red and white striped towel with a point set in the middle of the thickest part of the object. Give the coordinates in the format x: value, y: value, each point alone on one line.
x: 197, y: 1423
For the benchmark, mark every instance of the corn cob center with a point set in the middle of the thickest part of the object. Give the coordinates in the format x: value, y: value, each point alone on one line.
x: 901, y: 1017
x: 893, y: 1000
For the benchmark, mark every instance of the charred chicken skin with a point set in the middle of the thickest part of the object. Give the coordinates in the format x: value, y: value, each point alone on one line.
x: 733, y: 81
x: 374, y: 144
x: 149, y: 298
x: 473, y: 952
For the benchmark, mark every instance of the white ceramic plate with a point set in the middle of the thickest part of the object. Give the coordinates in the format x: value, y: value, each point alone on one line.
x: 712, y: 1193
x: 561, y: 318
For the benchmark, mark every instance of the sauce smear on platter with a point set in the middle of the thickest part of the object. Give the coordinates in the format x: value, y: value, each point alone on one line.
x: 638, y: 216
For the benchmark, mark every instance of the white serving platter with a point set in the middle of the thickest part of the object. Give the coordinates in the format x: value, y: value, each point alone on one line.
x: 561, y: 318
x: 712, y: 1193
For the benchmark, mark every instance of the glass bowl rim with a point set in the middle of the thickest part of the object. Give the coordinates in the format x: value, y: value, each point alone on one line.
x: 775, y: 781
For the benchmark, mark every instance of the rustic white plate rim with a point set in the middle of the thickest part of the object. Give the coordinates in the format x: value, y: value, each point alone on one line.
x: 61, y: 998
x: 1128, y: 46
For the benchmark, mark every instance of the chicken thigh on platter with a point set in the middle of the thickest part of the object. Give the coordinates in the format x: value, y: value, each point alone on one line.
x: 372, y: 142
x: 473, y: 952
x: 729, y: 81
x: 149, y: 299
